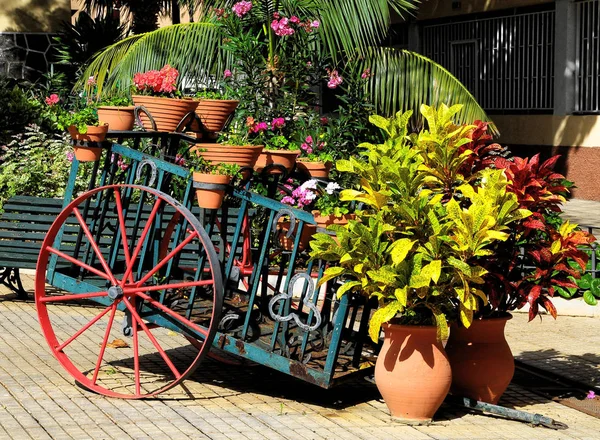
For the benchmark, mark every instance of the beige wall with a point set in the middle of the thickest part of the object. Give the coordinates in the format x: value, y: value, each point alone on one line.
x: 429, y: 9
x: 33, y: 15
x: 579, y: 131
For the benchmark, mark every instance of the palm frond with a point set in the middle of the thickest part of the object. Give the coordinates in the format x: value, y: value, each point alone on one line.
x: 351, y: 26
x: 193, y: 48
x: 403, y: 80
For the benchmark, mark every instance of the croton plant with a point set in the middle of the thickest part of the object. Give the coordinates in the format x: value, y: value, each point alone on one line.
x: 450, y: 228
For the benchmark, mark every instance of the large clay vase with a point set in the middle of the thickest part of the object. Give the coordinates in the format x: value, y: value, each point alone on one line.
x: 244, y: 156
x: 412, y: 372
x: 117, y: 118
x: 210, y: 198
x: 318, y: 170
x: 93, y: 134
x: 214, y: 113
x: 286, y: 158
x: 166, y: 112
x: 482, y: 363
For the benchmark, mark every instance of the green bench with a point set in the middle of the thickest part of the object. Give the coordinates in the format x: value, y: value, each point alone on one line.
x: 23, y: 227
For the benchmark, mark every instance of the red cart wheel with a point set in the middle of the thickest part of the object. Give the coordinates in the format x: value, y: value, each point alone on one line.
x: 122, y: 327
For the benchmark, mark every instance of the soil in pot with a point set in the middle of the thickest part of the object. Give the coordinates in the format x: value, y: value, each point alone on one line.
x: 210, y: 198
x: 166, y: 112
x: 282, y: 157
x: 482, y: 363
x: 117, y: 118
x: 412, y: 372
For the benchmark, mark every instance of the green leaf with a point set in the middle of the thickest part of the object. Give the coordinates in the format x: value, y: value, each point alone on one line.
x: 589, y: 298
x: 330, y: 273
x: 441, y: 322
x: 400, y: 249
x: 346, y: 287
x: 401, y: 295
x: 585, y: 282
x: 381, y: 315
x: 595, y: 287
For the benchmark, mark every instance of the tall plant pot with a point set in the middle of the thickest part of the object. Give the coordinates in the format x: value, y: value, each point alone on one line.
x: 210, y: 198
x: 287, y: 243
x: 412, y: 372
x: 166, y: 112
x: 482, y: 363
x: 214, y: 113
x: 117, y: 118
x: 95, y: 134
x: 281, y: 157
x: 244, y: 156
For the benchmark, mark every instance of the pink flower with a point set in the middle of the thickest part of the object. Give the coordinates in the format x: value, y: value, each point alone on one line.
x: 282, y: 27
x: 227, y: 73
x: 308, y: 64
x: 277, y: 123
x: 309, y: 139
x: 242, y: 8
x: 366, y: 74
x: 52, y: 99
x: 70, y: 156
x: 91, y: 81
x: 294, y: 19
x: 334, y: 80
x: 179, y: 159
x: 276, y: 15
x: 259, y: 127
x: 324, y: 120
x: 591, y: 395
x: 288, y: 200
x: 315, y: 24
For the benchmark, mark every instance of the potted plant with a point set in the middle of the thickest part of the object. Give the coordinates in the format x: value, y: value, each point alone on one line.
x: 278, y: 149
x: 215, y: 177
x: 117, y: 112
x: 215, y: 106
x: 315, y: 160
x: 542, y: 256
x: 156, y: 90
x: 231, y: 148
x: 83, y: 126
x: 412, y: 248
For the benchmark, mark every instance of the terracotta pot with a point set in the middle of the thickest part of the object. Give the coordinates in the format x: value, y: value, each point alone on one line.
x: 287, y: 244
x: 325, y: 220
x: 166, y: 112
x: 244, y: 156
x: 319, y: 170
x: 117, y: 118
x: 93, y: 134
x: 412, y: 372
x: 214, y: 113
x: 282, y: 157
x: 482, y: 363
x: 210, y: 198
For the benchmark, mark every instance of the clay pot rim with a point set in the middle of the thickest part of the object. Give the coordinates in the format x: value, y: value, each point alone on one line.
x: 198, y: 175
x: 219, y: 145
x: 419, y: 328
x: 280, y: 151
x: 116, y: 107
x: 216, y: 100
x: 506, y: 316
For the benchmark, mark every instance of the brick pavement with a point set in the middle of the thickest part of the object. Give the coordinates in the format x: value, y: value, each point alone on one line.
x: 38, y: 399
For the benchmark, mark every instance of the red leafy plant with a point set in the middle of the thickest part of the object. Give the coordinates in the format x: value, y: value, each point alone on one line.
x: 538, y: 257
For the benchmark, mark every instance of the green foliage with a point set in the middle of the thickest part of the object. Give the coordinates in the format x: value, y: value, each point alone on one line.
x: 415, y: 243
x: 116, y: 100
x: 17, y: 110
x: 81, y: 119
x: 199, y: 164
x: 37, y: 163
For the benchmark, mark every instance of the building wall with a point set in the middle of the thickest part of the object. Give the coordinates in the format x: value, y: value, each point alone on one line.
x: 33, y: 15
x: 431, y: 9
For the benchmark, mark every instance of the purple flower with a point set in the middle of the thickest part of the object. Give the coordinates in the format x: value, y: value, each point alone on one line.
x: 315, y: 24
x: 70, y: 156
x: 282, y: 28
x: 334, y: 79
x: 591, y: 395
x: 242, y: 8
x: 226, y: 73
x: 260, y: 126
x: 288, y: 200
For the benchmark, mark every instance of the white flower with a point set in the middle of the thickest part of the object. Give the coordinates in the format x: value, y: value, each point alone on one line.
x: 310, y: 196
x: 309, y: 184
x: 331, y: 187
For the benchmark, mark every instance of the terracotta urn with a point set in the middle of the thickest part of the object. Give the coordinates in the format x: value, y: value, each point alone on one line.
x: 210, y: 198
x: 286, y: 158
x: 166, y: 112
x: 412, y: 372
x: 213, y: 113
x: 93, y: 134
x: 482, y: 363
x: 117, y: 118
x: 287, y: 244
x: 318, y: 170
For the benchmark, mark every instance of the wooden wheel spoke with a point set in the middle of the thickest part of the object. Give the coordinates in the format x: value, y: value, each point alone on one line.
x: 104, y: 342
x: 141, y: 240
x: 94, y: 245
x: 166, y: 259
x: 123, y: 231
x: 62, y: 346
x: 47, y: 299
x: 182, y: 285
x: 136, y: 360
x: 160, y: 350
x: 185, y: 322
x: 79, y: 263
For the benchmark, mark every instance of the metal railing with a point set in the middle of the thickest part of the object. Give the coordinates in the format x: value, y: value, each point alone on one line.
x: 506, y: 62
x: 587, y: 62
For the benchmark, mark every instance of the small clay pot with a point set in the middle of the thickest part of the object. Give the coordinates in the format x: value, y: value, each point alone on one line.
x: 214, y: 113
x: 166, y: 112
x: 94, y: 134
x: 318, y: 170
x: 244, y: 156
x: 210, y: 198
x: 117, y: 118
x: 282, y: 157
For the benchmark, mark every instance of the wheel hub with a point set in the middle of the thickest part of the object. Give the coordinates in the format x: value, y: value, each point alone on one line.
x: 115, y: 292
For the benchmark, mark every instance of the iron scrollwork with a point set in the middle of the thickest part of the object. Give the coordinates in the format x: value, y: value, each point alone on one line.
x: 305, y: 300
